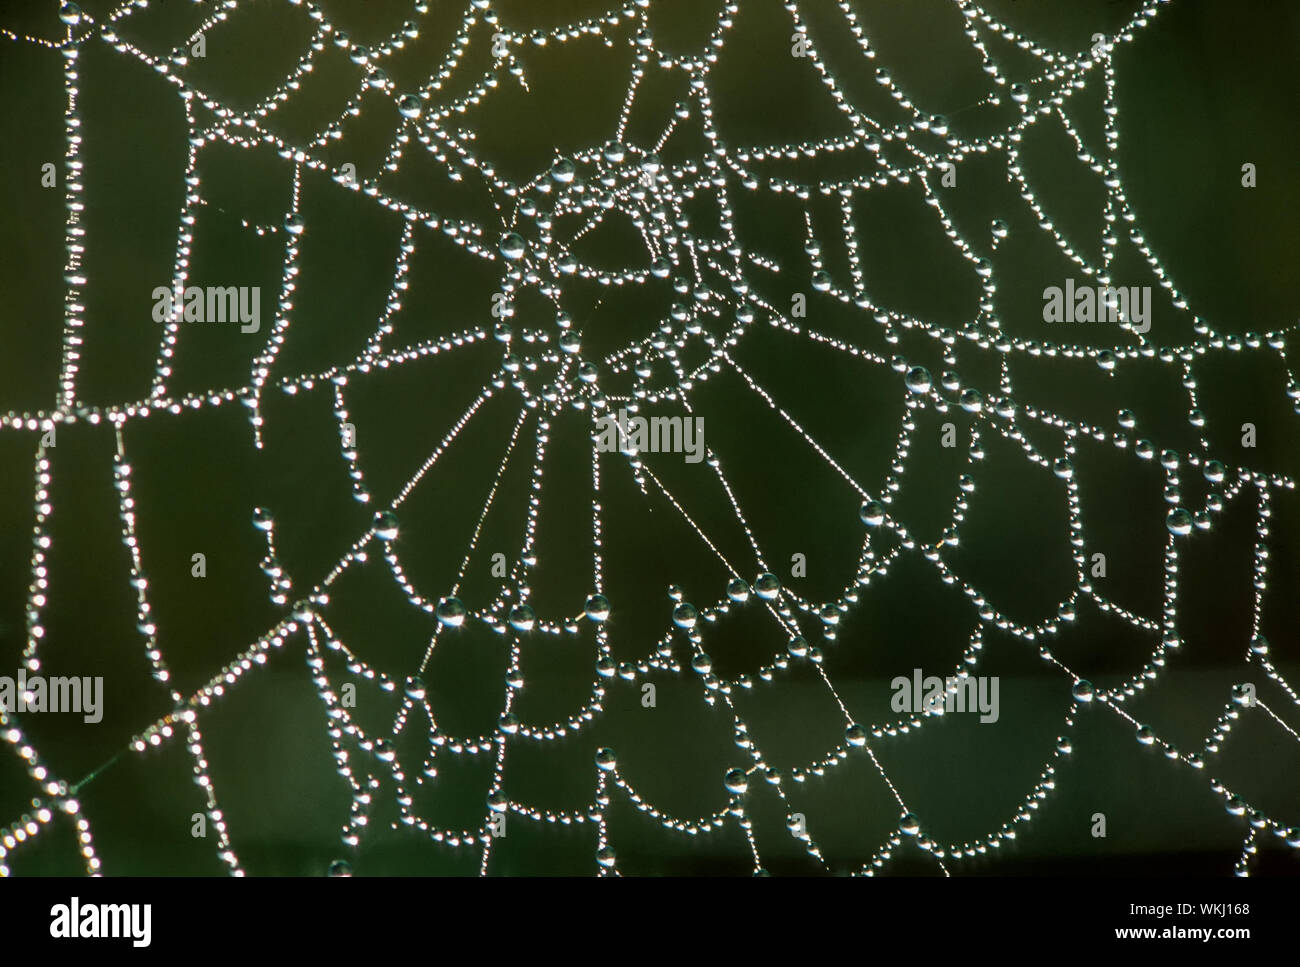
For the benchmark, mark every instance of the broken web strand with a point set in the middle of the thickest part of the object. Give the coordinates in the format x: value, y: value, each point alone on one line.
x: 308, y: 621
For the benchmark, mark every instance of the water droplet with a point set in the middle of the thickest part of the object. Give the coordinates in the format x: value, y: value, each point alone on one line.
x: 1064, y: 745
x: 606, y: 760
x: 1063, y: 468
x: 409, y: 106
x: 797, y: 646
x: 702, y: 663
x: 262, y: 519
x: 386, y: 525
x: 1146, y: 735
x: 415, y: 688
x: 821, y: 281
x: 767, y: 586
x: 736, y: 782
x: 513, y: 246
x: 498, y: 802
x: 1179, y: 522
x: 1082, y: 690
x: 339, y: 868
x: 1259, y: 645
x: 1236, y: 806
x: 918, y: 379
x: 1215, y: 471
x: 451, y: 612
x: 972, y: 401
x: 1020, y: 93
x: 597, y: 607
x: 909, y: 825
x: 293, y: 224
x: 685, y: 615
x: 522, y: 617
x: 872, y: 513
x: 856, y: 736
x: 563, y: 171
x: 738, y: 590
x: 605, y: 857
x: 1000, y: 229
x: 70, y: 14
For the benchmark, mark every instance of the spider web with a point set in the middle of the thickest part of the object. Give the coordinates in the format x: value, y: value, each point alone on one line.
x: 559, y: 361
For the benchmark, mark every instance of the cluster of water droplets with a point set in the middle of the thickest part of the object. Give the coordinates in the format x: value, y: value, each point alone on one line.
x: 550, y: 372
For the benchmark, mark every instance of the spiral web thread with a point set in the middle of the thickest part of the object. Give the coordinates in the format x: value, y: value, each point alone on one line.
x: 637, y: 182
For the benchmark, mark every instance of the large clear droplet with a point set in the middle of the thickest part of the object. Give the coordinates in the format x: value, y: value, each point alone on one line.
x: 918, y: 379
x: 451, y: 612
x: 685, y: 615
x: 513, y: 246
x: 597, y: 607
x: 522, y: 617
x: 1179, y: 522
x: 409, y: 106
x: 563, y: 171
x: 872, y: 513
x: 972, y: 401
x: 386, y: 525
